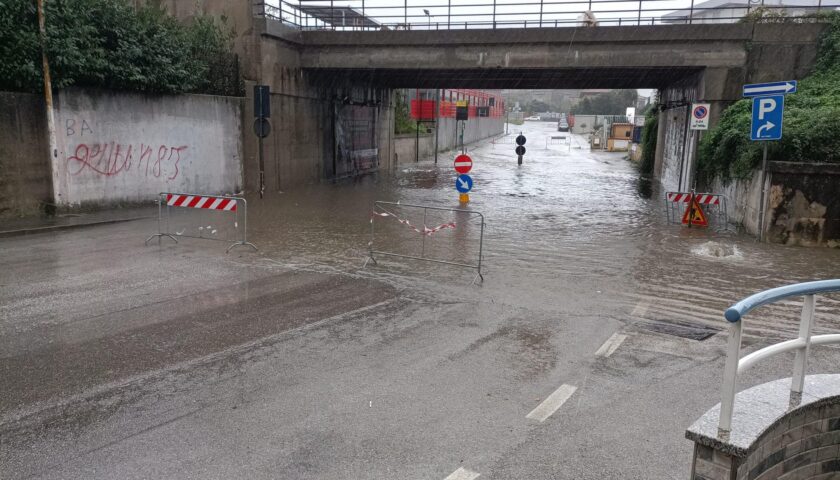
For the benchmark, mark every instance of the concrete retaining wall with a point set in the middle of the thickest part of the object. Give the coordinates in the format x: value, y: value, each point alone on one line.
x: 477, y: 129
x: 406, y: 144
x: 743, y: 198
x: 802, y: 204
x: 118, y: 147
x: 25, y: 185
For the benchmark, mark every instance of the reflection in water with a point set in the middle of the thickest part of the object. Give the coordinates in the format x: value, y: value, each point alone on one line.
x: 645, y: 187
x: 567, y: 222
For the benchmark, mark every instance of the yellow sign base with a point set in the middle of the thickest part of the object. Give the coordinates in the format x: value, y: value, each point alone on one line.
x: 464, y: 197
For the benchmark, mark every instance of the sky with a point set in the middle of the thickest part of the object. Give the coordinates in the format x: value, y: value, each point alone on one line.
x: 514, y: 13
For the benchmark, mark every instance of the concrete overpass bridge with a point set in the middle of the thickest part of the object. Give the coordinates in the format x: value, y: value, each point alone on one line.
x: 312, y: 73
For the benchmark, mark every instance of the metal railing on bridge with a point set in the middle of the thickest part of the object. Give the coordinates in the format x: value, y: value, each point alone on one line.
x: 801, y: 345
x: 472, y: 14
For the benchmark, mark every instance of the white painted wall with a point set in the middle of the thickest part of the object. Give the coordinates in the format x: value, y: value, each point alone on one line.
x: 127, y: 147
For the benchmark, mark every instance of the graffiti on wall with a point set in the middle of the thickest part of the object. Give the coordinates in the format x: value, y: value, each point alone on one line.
x: 113, y: 158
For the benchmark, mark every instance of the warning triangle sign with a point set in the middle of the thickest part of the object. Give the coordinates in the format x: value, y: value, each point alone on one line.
x: 694, y: 210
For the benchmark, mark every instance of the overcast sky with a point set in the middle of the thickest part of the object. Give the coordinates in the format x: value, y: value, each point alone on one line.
x: 518, y: 11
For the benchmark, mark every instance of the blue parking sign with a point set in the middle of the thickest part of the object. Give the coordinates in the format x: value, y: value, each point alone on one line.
x: 767, y: 117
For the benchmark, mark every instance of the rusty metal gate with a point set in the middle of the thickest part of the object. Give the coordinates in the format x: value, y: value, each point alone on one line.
x: 356, y: 144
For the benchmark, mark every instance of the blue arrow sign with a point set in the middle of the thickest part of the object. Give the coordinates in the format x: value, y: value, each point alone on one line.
x: 767, y: 118
x: 463, y: 183
x: 772, y: 88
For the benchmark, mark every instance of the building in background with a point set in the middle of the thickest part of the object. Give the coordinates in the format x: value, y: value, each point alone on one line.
x: 728, y: 11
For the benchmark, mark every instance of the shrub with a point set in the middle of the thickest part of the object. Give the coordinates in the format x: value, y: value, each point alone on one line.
x: 811, y: 122
x: 111, y: 44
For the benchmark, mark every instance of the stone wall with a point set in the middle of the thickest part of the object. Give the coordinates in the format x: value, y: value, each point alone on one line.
x: 25, y: 186
x: 772, y: 437
x: 116, y: 147
x: 805, y: 444
x: 804, y: 204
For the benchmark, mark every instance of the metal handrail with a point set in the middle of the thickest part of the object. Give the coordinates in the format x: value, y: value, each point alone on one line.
x: 546, y: 13
x: 801, y: 345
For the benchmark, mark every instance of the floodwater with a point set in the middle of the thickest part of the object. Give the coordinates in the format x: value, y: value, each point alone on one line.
x: 567, y: 222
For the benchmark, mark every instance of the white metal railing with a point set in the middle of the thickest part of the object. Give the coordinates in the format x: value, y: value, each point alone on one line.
x: 801, y: 345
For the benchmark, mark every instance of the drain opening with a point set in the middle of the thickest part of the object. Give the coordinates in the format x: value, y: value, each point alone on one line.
x: 691, y: 331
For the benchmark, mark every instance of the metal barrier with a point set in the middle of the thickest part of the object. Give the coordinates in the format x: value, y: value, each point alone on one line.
x: 449, y: 15
x: 802, y: 344
x: 398, y: 212
x: 559, y: 139
x: 213, y: 205
x: 714, y: 205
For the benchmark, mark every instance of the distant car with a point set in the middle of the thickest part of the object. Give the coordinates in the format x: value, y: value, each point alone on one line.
x: 562, y: 126
x: 533, y: 118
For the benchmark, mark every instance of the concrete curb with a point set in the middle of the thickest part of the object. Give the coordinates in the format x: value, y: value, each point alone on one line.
x: 51, y: 228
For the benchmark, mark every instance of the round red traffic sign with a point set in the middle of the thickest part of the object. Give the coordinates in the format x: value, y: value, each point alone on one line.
x: 463, y: 164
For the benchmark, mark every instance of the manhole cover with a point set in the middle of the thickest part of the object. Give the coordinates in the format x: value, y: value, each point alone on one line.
x: 692, y: 331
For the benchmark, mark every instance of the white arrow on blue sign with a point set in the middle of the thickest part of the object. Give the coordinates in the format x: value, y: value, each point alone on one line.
x: 463, y: 183
x: 767, y: 118
x: 772, y: 88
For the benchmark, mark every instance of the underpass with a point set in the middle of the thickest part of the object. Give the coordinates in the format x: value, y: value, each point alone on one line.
x: 595, y: 340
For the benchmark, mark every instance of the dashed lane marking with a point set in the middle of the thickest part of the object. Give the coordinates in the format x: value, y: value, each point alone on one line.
x: 552, y: 403
x: 640, y: 309
x: 611, y: 345
x: 462, y: 474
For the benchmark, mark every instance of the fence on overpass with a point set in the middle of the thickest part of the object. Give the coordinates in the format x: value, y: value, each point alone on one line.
x: 468, y: 14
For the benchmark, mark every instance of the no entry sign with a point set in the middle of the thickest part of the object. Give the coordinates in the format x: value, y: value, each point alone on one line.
x: 463, y: 164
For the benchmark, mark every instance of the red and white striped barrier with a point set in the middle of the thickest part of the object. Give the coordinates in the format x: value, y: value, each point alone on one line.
x: 199, y: 201
x: 426, y: 230
x: 702, y: 198
x: 235, y: 205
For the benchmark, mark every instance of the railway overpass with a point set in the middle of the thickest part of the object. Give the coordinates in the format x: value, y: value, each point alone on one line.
x: 312, y: 73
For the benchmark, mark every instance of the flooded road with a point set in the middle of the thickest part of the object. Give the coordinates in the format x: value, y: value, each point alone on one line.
x: 595, y: 339
x: 567, y: 221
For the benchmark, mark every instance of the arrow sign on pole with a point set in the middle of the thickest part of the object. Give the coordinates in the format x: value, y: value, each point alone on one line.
x: 463, y: 183
x: 772, y: 88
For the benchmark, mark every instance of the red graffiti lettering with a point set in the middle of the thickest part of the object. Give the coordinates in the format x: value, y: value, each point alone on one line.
x: 110, y: 159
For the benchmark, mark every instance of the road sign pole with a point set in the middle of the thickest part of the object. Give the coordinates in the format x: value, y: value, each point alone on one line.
x: 763, y: 194
x: 262, y: 166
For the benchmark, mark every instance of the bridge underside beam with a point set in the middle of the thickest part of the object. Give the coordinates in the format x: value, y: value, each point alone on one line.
x: 512, y: 78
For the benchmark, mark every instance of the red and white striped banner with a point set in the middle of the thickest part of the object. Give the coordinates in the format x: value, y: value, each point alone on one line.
x: 198, y: 201
x: 702, y: 198
x: 426, y: 230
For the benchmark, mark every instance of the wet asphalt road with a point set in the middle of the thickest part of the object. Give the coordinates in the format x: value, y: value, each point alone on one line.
x: 178, y: 361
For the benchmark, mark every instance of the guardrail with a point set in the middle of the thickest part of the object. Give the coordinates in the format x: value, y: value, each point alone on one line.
x: 198, y: 226
x: 714, y: 205
x: 459, y: 224
x: 801, y: 345
x: 449, y: 15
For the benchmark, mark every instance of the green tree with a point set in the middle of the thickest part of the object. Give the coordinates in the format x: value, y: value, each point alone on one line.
x: 614, y: 102
x: 811, y: 122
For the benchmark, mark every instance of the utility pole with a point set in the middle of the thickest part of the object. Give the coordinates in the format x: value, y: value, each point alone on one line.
x: 48, y: 101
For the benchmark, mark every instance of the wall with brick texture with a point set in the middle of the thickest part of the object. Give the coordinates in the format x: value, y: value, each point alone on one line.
x: 805, y: 444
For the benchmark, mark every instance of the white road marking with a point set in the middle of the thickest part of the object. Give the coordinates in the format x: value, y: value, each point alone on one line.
x: 552, y: 403
x: 462, y: 474
x: 611, y: 345
x: 640, y: 309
